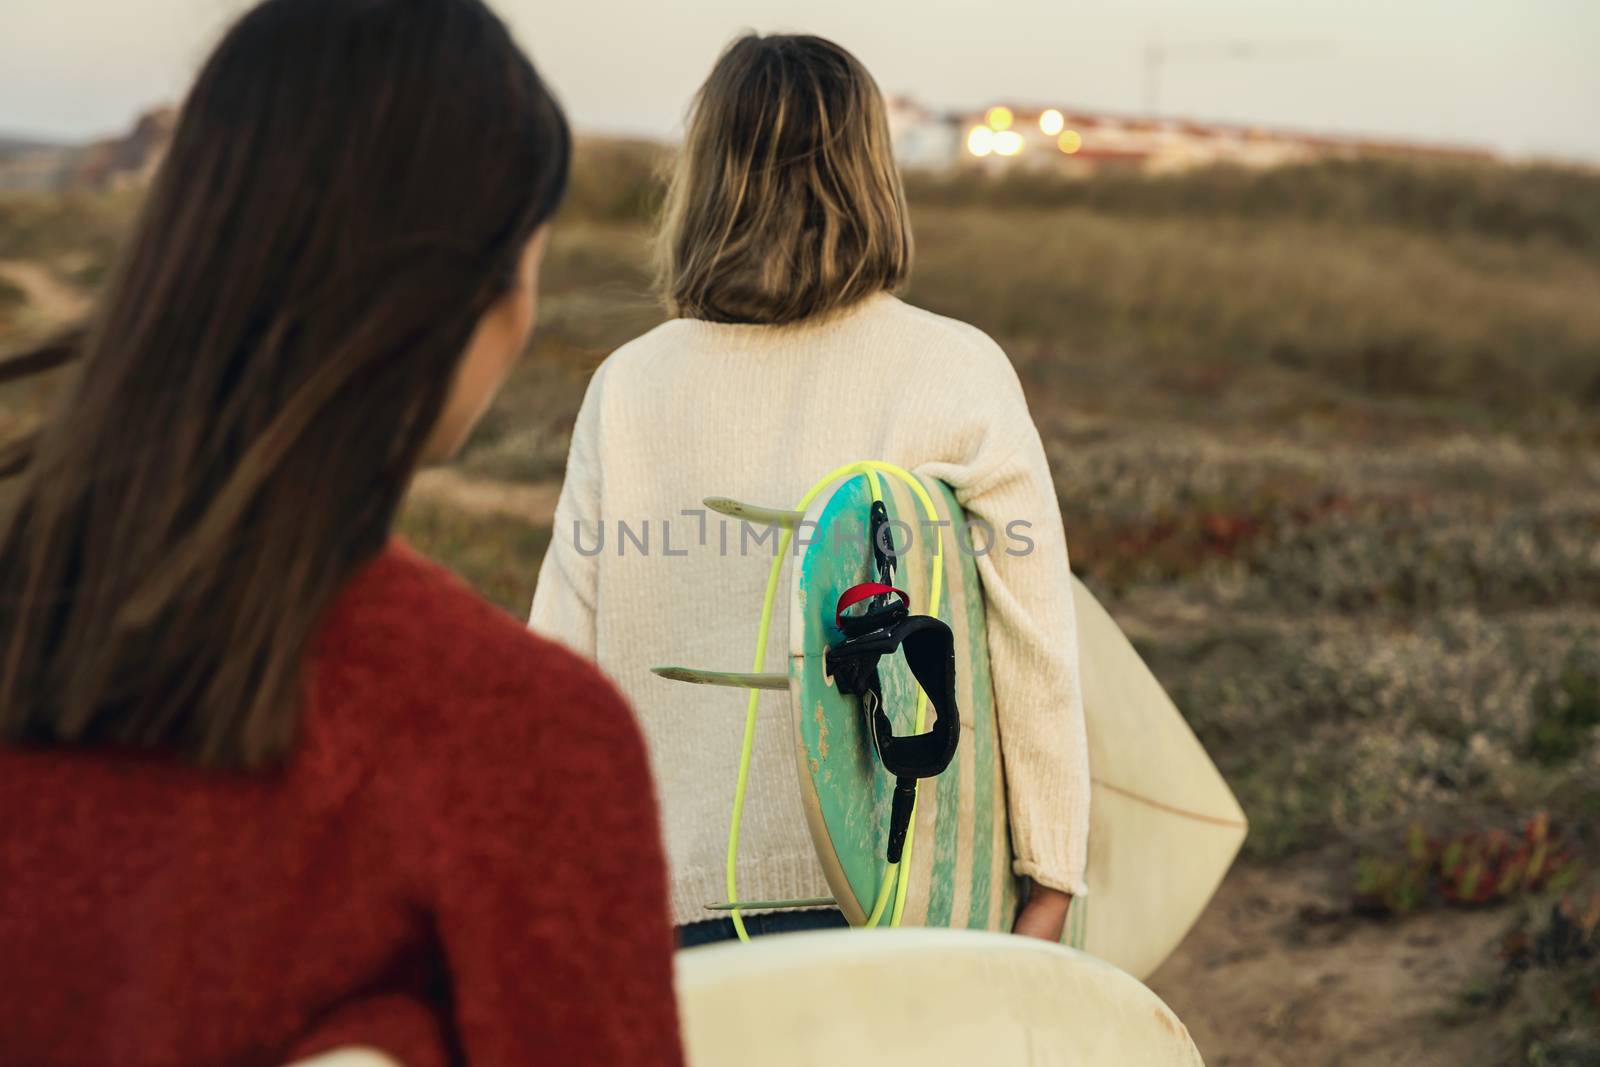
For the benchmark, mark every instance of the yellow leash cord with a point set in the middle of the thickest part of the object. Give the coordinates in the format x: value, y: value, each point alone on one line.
x: 871, y: 469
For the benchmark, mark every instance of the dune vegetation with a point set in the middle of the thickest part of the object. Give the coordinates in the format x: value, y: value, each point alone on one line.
x: 1327, y: 442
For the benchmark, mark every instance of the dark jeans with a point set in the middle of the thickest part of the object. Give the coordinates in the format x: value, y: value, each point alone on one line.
x: 777, y: 922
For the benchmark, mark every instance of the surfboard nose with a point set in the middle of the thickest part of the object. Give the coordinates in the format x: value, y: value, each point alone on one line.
x: 933, y: 997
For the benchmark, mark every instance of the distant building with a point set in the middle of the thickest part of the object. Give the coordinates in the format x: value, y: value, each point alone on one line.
x: 1079, y: 142
x: 923, y: 139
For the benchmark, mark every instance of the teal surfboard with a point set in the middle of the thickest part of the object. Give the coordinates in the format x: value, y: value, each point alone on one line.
x: 1164, y: 826
x: 960, y: 859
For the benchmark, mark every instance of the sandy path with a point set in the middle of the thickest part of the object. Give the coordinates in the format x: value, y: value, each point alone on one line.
x: 534, y: 504
x: 1277, y: 971
x: 47, y: 295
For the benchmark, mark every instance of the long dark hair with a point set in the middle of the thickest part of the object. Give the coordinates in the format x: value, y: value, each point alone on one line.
x: 350, y: 187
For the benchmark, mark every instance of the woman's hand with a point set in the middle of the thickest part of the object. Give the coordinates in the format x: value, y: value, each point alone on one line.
x: 1044, y: 915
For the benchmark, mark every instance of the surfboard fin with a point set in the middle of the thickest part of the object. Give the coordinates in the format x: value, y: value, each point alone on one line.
x: 735, y: 679
x: 736, y: 509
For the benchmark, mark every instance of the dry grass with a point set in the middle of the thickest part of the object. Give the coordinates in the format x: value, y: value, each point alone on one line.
x: 1510, y: 333
x: 1327, y: 440
x: 1527, y: 204
x: 497, y: 556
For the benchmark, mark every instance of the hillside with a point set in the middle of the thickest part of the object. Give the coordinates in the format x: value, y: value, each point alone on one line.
x: 16, y: 144
x: 127, y: 160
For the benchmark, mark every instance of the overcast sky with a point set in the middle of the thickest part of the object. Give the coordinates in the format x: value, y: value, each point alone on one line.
x: 1522, y: 76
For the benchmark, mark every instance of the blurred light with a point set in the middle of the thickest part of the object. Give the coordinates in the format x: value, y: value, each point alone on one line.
x: 1008, y: 142
x: 1069, y: 141
x: 1051, y: 122
x: 998, y: 118
x: 980, y: 140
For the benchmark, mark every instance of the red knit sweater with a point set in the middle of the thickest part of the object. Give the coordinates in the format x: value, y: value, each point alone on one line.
x: 461, y: 864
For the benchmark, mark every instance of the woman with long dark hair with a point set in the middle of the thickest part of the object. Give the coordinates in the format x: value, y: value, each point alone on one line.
x: 270, y: 782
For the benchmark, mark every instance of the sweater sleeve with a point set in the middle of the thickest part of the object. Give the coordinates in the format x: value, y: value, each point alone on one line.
x: 1033, y: 642
x: 567, y: 590
x: 550, y: 893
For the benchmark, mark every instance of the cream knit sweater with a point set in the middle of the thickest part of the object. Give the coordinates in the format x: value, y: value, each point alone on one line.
x: 695, y: 409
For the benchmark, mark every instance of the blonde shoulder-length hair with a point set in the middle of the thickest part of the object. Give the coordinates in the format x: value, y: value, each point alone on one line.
x: 785, y: 202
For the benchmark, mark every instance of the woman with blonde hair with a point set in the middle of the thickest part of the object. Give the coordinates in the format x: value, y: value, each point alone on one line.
x: 784, y: 237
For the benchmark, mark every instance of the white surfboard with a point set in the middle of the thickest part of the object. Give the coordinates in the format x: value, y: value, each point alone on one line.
x: 934, y: 998
x: 1163, y: 825
x: 349, y: 1057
